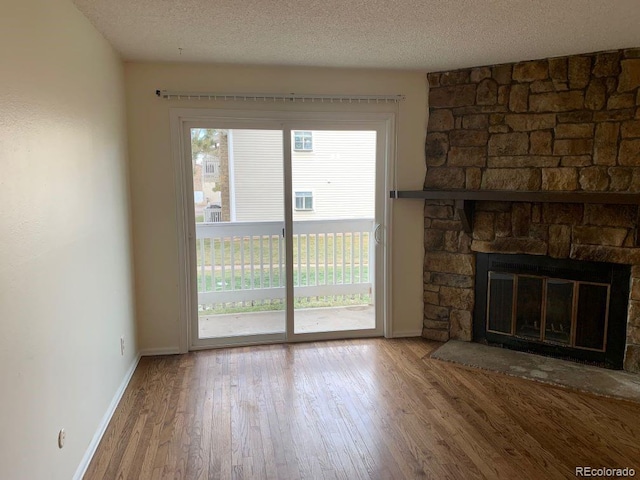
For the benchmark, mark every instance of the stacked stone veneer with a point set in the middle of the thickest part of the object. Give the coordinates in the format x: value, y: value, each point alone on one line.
x: 561, y: 124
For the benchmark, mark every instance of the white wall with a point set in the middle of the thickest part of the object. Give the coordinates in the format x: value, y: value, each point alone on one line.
x: 65, y: 263
x: 152, y: 177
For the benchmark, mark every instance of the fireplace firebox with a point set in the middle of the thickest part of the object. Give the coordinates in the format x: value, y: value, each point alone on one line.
x: 564, y: 308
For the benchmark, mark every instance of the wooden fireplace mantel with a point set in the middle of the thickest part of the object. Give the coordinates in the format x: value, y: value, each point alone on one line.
x: 465, y: 199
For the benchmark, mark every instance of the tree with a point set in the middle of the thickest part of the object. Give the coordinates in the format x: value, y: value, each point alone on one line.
x: 204, y: 141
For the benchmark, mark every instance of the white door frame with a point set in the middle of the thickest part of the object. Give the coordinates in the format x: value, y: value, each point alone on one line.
x: 182, y: 119
x: 315, y: 124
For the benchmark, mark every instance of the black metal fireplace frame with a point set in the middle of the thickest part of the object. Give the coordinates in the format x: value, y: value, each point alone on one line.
x: 615, y: 274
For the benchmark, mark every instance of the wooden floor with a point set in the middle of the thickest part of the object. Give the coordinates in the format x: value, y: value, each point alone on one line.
x: 354, y: 409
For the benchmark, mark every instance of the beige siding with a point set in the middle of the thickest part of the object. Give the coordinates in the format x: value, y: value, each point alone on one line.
x: 340, y: 171
x: 255, y: 160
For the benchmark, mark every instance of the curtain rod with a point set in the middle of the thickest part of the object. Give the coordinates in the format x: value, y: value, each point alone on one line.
x: 276, y: 97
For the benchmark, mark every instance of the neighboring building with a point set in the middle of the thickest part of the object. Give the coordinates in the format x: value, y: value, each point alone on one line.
x: 206, y: 188
x: 333, y: 174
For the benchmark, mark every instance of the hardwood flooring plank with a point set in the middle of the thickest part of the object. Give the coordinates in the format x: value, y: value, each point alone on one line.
x: 399, y: 419
x: 331, y: 379
x: 278, y: 417
x: 354, y: 409
x: 160, y: 394
x: 206, y: 399
x: 319, y: 421
x: 474, y: 417
x: 487, y: 414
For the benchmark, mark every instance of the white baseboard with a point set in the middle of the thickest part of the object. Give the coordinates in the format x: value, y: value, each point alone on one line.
x: 407, y: 333
x: 104, y: 423
x: 151, y: 352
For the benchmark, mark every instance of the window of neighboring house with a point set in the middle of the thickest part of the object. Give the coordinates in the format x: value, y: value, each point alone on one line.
x: 303, y: 141
x: 304, y: 200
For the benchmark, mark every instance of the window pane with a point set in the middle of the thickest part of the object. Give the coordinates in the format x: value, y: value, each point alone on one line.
x: 500, y: 302
x: 559, y: 311
x: 239, y: 174
x: 308, y: 203
x: 529, y: 307
x: 303, y: 141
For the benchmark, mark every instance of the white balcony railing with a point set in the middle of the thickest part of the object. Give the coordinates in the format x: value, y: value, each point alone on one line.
x: 242, y: 263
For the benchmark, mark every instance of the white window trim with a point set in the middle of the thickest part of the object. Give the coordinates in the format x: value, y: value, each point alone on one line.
x: 302, y: 132
x: 304, y: 190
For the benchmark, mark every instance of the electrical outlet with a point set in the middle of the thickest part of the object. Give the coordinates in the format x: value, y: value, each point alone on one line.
x: 62, y: 436
x: 122, y: 345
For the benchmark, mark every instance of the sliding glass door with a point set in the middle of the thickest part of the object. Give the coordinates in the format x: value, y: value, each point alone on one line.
x: 238, y: 211
x: 333, y: 198
x: 286, y: 220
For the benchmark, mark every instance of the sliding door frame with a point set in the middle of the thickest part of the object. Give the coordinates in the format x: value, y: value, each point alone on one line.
x: 381, y: 201
x: 182, y: 119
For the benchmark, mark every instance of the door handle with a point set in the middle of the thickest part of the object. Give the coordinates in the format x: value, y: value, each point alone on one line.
x: 376, y: 231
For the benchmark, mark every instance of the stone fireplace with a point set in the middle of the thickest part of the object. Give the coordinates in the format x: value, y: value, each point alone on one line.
x: 569, y: 124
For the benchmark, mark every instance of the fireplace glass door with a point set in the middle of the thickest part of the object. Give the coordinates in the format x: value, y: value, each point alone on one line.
x: 565, y: 308
x: 501, y: 286
x: 549, y: 310
x: 528, y: 306
x: 558, y: 317
x: 593, y: 305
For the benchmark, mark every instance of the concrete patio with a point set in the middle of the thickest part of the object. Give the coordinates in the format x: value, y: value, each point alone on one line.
x: 307, y: 320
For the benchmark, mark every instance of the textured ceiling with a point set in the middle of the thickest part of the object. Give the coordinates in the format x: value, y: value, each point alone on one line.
x: 427, y: 35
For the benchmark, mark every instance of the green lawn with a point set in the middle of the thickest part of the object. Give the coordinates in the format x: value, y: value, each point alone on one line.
x: 247, y: 247
x: 317, y: 276
x: 277, y: 304
x: 247, y: 253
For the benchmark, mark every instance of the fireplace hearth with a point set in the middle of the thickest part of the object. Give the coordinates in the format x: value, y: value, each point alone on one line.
x: 558, y: 307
